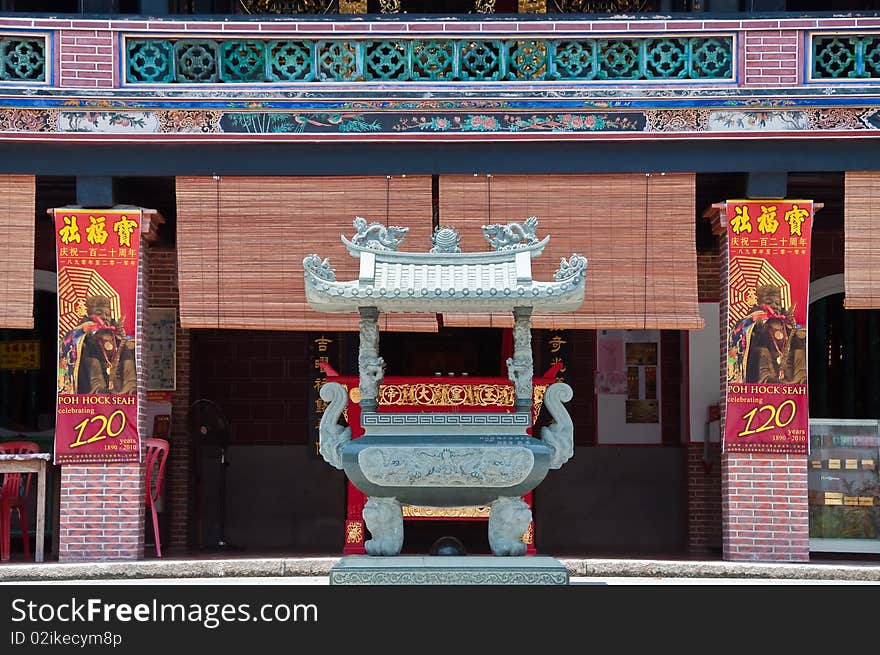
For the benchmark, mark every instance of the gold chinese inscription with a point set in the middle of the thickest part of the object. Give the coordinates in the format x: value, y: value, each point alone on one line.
x: 833, y: 498
x: 532, y: 6
x: 529, y: 535
x: 354, y: 532
x: 476, y: 395
x: 450, y: 395
x: 415, y: 511
x: 352, y: 6
x: 322, y: 342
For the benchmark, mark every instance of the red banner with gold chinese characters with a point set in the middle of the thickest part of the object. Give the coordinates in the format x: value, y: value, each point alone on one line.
x: 768, y: 247
x: 96, y: 415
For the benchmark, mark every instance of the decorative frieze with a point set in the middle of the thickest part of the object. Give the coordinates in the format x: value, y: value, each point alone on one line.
x: 609, y: 58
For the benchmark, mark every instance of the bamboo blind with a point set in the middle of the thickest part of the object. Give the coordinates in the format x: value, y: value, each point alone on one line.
x: 241, y: 242
x: 636, y: 231
x: 17, y: 220
x: 861, y: 250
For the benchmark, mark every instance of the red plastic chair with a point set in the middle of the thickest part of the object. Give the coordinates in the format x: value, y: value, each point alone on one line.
x: 157, y: 455
x: 13, y: 498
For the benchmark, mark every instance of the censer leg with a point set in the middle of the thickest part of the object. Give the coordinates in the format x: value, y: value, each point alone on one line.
x: 384, y: 519
x: 509, y: 518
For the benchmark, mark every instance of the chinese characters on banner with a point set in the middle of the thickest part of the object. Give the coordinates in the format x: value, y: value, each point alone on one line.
x: 768, y: 284
x: 97, y: 253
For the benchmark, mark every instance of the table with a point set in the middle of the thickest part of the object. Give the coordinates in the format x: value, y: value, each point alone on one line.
x: 31, y: 463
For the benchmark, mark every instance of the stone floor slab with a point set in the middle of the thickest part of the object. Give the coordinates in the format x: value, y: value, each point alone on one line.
x: 466, y: 570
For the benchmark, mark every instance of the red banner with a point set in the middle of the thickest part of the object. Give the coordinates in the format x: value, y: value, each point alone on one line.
x: 768, y: 294
x: 96, y: 415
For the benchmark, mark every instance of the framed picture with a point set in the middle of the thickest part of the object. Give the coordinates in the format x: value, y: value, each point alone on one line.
x: 160, y: 348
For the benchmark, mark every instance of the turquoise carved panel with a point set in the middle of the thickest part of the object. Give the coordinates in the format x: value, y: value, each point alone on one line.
x: 845, y: 57
x: 290, y: 61
x: 206, y: 61
x: 23, y: 59
x: 243, y: 61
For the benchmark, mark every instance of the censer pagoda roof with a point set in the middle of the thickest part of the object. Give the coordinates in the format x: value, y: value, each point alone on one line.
x: 445, y: 279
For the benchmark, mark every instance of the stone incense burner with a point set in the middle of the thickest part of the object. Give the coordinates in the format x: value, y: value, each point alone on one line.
x: 455, y: 459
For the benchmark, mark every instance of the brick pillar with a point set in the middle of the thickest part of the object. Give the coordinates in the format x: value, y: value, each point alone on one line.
x: 87, y: 56
x: 764, y: 505
x: 704, y: 467
x: 764, y: 509
x: 704, y: 498
x: 101, y: 512
x: 164, y: 292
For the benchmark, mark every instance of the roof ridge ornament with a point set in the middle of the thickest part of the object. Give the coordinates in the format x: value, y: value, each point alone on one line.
x: 376, y: 236
x: 509, y: 236
x: 318, y: 267
x: 445, y: 279
x: 573, y: 267
x: 445, y: 240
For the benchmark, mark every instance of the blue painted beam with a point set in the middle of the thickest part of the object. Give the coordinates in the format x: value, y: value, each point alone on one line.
x: 701, y: 156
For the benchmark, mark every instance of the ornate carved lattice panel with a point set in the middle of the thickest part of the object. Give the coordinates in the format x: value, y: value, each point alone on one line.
x: 207, y: 61
x: 23, y: 59
x: 846, y: 57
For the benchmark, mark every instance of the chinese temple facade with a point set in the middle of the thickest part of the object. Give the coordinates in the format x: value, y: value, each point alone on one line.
x: 715, y: 162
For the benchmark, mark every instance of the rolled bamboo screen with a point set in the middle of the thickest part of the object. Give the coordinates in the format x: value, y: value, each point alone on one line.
x: 861, y: 250
x: 636, y: 231
x: 241, y: 242
x: 17, y: 220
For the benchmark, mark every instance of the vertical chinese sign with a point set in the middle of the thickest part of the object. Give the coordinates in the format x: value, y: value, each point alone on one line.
x: 768, y: 286
x: 557, y: 350
x: 323, y: 351
x: 98, y: 252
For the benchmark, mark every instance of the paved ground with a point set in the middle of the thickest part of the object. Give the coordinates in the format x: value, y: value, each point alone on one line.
x: 314, y: 570
x: 324, y: 580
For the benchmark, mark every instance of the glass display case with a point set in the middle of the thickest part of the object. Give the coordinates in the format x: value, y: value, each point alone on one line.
x: 844, y: 486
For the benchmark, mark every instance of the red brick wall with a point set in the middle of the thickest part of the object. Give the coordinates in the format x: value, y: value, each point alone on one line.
x: 164, y: 293
x: 261, y: 381
x: 672, y: 384
x: 708, y: 276
x: 766, y: 517
x: 771, y: 58
x: 101, y: 512
x: 704, y: 498
x: 87, y: 57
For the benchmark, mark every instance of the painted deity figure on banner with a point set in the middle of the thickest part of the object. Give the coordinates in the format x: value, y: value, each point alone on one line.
x: 767, y: 344
x: 97, y: 356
